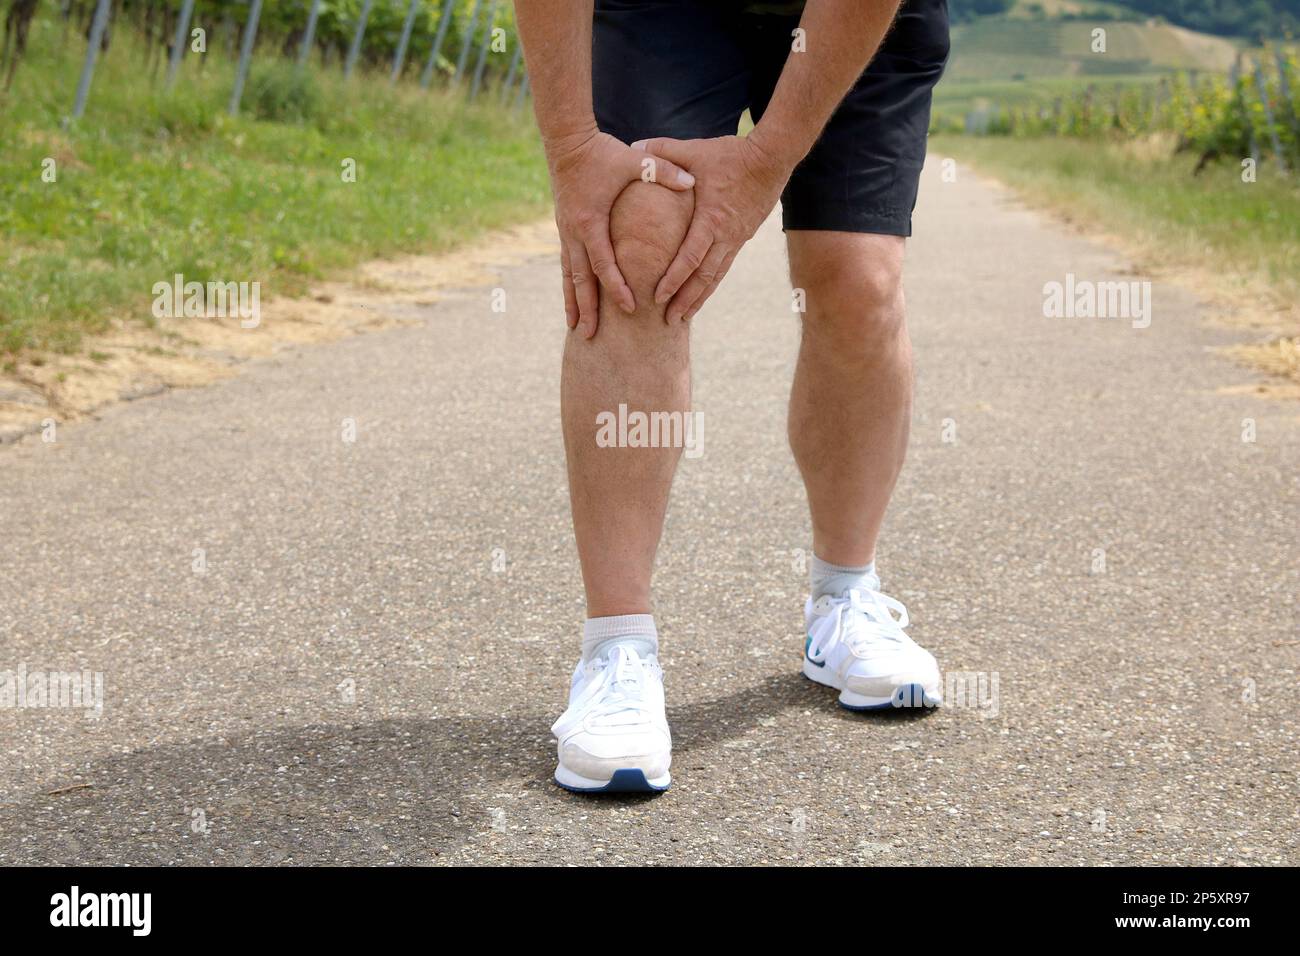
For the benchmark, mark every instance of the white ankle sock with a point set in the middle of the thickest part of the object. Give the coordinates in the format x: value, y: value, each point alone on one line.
x: 635, y: 629
x: 835, y: 580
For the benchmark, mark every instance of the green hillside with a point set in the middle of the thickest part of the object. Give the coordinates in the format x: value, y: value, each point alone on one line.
x: 1253, y: 20
x: 1017, y: 47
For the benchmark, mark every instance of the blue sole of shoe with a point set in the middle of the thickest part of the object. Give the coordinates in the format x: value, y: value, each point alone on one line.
x: 623, y: 781
x: 907, y: 696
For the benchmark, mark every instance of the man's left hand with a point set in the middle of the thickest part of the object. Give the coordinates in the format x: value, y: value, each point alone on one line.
x: 737, y: 185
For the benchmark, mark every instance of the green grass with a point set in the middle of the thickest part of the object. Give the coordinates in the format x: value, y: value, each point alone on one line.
x: 151, y: 183
x: 1246, y: 235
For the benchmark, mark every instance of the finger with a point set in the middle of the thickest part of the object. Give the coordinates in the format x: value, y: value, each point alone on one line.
x: 693, y: 249
x: 679, y: 151
x: 570, y: 298
x: 656, y: 169
x: 585, y: 290
x: 700, y: 285
x: 713, y: 287
x: 600, y: 253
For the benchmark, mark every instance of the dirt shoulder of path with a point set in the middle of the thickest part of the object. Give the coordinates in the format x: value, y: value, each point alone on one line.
x: 133, y: 360
x: 1275, y: 330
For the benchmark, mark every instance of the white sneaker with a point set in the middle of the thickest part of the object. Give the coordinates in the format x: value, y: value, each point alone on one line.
x: 856, y: 645
x: 614, y: 736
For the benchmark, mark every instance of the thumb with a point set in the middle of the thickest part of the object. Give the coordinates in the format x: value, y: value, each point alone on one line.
x: 656, y: 169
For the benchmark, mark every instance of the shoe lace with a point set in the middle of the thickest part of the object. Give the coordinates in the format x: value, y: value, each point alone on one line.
x: 621, y: 686
x: 859, y: 618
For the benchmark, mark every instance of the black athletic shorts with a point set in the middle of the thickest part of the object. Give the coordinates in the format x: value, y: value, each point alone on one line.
x: 687, y: 69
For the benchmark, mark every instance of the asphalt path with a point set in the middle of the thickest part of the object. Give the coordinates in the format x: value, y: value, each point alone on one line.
x: 316, y: 650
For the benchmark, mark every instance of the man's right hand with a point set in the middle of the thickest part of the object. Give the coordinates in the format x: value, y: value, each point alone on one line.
x: 588, y: 171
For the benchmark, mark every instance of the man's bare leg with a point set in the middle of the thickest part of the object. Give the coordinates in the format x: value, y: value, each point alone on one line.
x: 849, y: 414
x: 619, y: 495
x: 614, y: 734
x: 852, y: 397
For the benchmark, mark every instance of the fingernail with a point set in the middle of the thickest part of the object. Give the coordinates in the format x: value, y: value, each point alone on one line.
x: 685, y: 178
x: 639, y: 144
x: 629, y: 303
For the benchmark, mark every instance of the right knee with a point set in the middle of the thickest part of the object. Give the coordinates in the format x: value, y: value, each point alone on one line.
x: 646, y: 227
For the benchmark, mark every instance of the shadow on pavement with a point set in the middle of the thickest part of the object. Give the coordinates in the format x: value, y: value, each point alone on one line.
x: 404, y: 791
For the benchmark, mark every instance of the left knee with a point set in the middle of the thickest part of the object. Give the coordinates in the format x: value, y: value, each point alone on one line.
x: 853, y: 292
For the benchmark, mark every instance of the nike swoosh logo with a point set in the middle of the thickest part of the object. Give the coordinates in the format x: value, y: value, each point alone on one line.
x: 809, y: 659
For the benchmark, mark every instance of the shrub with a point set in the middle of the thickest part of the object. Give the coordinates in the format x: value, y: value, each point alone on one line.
x: 282, y: 92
